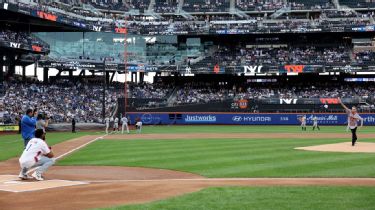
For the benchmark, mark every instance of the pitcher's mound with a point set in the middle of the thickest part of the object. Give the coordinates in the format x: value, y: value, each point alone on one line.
x: 342, y: 147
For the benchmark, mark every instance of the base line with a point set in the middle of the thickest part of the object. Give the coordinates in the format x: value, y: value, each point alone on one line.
x: 71, y: 151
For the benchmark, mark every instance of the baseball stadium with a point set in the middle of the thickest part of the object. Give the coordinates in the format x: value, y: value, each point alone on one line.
x: 187, y: 104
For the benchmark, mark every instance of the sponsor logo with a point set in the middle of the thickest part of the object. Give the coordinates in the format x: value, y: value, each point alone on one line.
x: 369, y: 119
x: 364, y: 28
x: 121, y: 30
x: 47, y: 16
x: 288, y: 101
x: 294, y: 68
x: 15, y: 45
x: 237, y: 119
x: 217, y: 69
x: 251, y: 119
x: 243, y: 103
x: 252, y: 69
x: 36, y: 48
x: 324, y: 118
x: 329, y: 100
x: 200, y: 118
x: 9, y: 128
x: 146, y: 118
x: 240, y: 104
x: 284, y: 118
x: 97, y: 28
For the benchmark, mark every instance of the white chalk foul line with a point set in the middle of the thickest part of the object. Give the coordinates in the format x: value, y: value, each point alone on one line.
x: 232, y: 179
x: 71, y: 151
x: 81, y: 146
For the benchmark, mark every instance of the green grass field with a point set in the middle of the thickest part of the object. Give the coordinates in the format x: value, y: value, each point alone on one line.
x: 270, y: 198
x: 229, y: 157
x: 12, y: 145
x: 232, y: 158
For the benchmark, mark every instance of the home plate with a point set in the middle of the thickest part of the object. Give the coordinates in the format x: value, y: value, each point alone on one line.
x: 359, y: 147
x: 11, y: 183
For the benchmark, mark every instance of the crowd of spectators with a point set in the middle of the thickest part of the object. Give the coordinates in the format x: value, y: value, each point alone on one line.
x: 172, y: 25
x: 60, y: 101
x: 206, y: 6
x: 25, y: 39
x: 64, y: 99
x: 150, y: 91
x: 259, y: 5
x: 281, y: 55
x: 162, y: 6
x: 364, y: 57
x: 200, y: 95
x: 209, y: 94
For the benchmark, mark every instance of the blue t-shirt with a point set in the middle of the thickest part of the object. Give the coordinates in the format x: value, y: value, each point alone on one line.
x: 28, y: 127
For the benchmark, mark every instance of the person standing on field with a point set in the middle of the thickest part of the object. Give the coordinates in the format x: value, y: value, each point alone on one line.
x: 106, y: 120
x: 41, y: 123
x: 315, y: 123
x: 28, y: 123
x: 115, y: 124
x: 138, y: 125
x: 303, y: 122
x: 353, y: 118
x: 124, y: 121
x: 73, y: 125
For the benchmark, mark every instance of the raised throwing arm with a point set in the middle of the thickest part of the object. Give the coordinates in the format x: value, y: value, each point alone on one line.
x: 343, y: 105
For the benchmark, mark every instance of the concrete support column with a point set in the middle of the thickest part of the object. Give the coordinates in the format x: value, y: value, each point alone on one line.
x: 23, y: 73
x: 45, y: 75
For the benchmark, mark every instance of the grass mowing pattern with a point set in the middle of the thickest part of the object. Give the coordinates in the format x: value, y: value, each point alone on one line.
x: 275, y: 198
x: 229, y: 157
x: 12, y: 145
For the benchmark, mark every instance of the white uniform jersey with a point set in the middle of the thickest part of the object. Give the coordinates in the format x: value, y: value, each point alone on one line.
x: 315, y: 121
x: 139, y: 124
x: 115, y: 124
x: 106, y: 121
x: 353, y: 119
x: 303, y: 121
x: 124, y: 120
x: 34, y: 150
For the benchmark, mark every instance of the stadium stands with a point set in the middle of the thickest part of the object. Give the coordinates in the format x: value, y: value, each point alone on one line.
x: 23, y: 40
x: 165, y: 6
x: 259, y: 5
x: 206, y: 6
x: 311, y: 4
x: 59, y: 101
x: 358, y: 3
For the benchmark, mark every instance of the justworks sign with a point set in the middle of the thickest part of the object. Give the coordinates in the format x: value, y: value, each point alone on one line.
x: 252, y: 69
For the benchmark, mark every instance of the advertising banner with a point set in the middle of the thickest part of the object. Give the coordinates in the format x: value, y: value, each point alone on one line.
x: 5, y: 128
x: 243, y: 119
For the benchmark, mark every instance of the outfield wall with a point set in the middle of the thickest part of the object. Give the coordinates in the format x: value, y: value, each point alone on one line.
x: 153, y: 118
